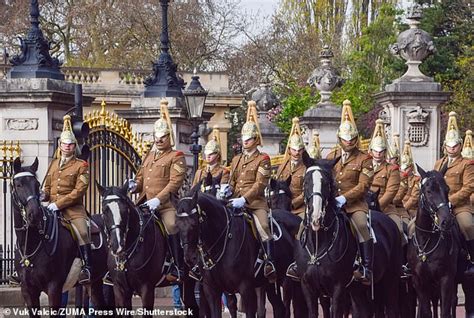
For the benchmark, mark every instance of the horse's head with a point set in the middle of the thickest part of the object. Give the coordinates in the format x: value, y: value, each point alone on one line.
x: 319, y: 189
x: 187, y: 222
x: 278, y: 194
x: 372, y: 199
x: 26, y: 192
x: 434, y: 198
x: 210, y: 184
x: 116, y: 213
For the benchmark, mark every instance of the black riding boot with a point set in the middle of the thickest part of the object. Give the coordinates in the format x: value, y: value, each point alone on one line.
x: 176, y: 268
x: 269, y: 270
x: 470, y: 267
x: 85, y: 274
x: 364, y: 273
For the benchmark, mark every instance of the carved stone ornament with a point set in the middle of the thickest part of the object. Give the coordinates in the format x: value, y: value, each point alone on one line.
x: 418, y: 131
x: 384, y: 115
x: 265, y: 98
x: 22, y: 124
x: 325, y: 77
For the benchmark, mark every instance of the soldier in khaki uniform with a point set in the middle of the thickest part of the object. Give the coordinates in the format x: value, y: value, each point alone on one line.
x: 161, y: 176
x: 411, y: 197
x: 212, y: 154
x: 353, y: 174
x: 460, y: 178
x: 386, y: 175
x: 65, y: 185
x: 293, y: 167
x: 468, y: 153
x: 393, y: 157
x: 249, y: 176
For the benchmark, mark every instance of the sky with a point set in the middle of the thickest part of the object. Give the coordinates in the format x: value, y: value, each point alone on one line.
x: 264, y: 8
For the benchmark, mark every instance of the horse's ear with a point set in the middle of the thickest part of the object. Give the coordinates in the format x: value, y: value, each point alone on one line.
x: 288, y: 181
x: 444, y: 168
x: 333, y: 162
x: 124, y: 188
x: 272, y: 183
x: 34, y: 166
x: 422, y: 172
x: 17, y: 165
x: 100, y: 188
x: 307, y: 160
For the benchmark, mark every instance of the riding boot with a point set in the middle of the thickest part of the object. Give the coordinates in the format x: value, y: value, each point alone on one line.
x: 175, y: 272
x: 292, y: 272
x: 470, y: 267
x: 85, y: 274
x: 364, y: 273
x: 14, y: 279
x: 269, y: 270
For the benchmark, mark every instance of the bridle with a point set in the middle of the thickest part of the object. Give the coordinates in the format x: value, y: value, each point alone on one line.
x: 48, y: 231
x: 205, y: 253
x: 432, y: 209
x: 120, y: 261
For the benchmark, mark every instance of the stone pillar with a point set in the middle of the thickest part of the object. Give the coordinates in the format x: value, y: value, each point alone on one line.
x: 411, y: 104
x: 325, y: 116
x: 31, y: 111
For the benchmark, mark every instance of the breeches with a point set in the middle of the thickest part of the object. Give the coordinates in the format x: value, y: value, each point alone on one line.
x: 168, y: 216
x: 466, y: 224
x: 81, y: 229
x: 260, y: 217
x: 359, y: 220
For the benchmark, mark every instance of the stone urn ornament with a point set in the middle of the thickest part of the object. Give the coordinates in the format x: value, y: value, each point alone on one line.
x: 413, y: 45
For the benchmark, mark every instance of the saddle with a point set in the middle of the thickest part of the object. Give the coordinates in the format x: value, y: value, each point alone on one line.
x: 248, y: 218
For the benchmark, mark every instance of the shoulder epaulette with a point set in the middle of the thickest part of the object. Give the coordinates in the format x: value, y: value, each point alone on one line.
x: 84, y: 163
x: 225, y: 169
x: 394, y: 167
x: 265, y: 156
x: 179, y: 153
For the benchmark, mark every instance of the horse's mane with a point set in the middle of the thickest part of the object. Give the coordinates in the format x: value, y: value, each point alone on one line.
x: 118, y: 192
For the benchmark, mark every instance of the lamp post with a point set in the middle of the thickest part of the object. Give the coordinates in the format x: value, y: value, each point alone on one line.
x: 195, y: 96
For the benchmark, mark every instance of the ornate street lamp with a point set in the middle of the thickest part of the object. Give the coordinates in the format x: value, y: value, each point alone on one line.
x: 195, y: 96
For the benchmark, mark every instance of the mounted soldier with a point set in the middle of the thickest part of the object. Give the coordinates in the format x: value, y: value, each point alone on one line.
x: 393, y: 157
x: 213, y: 157
x: 160, y: 177
x: 65, y: 185
x: 353, y: 175
x: 468, y: 153
x: 249, y: 176
x: 386, y: 175
x: 459, y: 176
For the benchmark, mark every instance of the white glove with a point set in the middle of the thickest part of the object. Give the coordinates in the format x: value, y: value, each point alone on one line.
x: 132, y: 185
x: 42, y: 195
x: 237, y: 203
x: 340, y: 201
x: 53, y: 207
x: 153, y: 204
x: 224, y: 192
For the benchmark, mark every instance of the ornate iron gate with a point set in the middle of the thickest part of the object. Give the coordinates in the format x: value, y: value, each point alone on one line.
x: 8, y: 152
x: 116, y: 153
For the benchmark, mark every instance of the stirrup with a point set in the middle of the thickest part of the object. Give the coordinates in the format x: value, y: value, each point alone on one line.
x: 271, y: 273
x: 14, y: 280
x: 363, y: 276
x: 195, y: 274
x: 84, y: 276
x: 292, y: 272
x: 174, y: 274
x: 107, y: 280
x: 406, y: 272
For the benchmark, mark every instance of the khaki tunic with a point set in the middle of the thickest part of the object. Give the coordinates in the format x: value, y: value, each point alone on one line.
x: 460, y: 179
x: 296, y: 185
x: 353, y: 178
x: 387, y: 180
x: 249, y: 177
x: 410, y: 201
x: 402, y: 191
x: 160, y: 176
x: 66, y: 186
x: 202, y: 173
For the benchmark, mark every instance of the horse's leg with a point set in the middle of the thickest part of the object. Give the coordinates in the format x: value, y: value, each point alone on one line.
x: 287, y: 296
x: 261, y: 298
x: 147, y: 294
x: 232, y: 304
x: 274, y: 296
x: 391, y: 295
x: 204, y: 310
x: 123, y: 297
x: 32, y: 299
x: 337, y: 302
x: 325, y: 302
x: 468, y: 288
x: 213, y: 297
x: 249, y: 298
x: 54, y: 297
x: 311, y: 297
x: 361, y: 306
x: 447, y: 293
x: 300, y: 309
x: 424, y: 304
x: 189, y: 299
x: 97, y: 295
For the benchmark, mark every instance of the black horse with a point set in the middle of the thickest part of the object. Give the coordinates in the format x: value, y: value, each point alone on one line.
x: 279, y: 199
x: 46, y: 248
x: 137, y: 250
x: 434, y: 249
x: 224, y: 243
x: 327, y: 257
